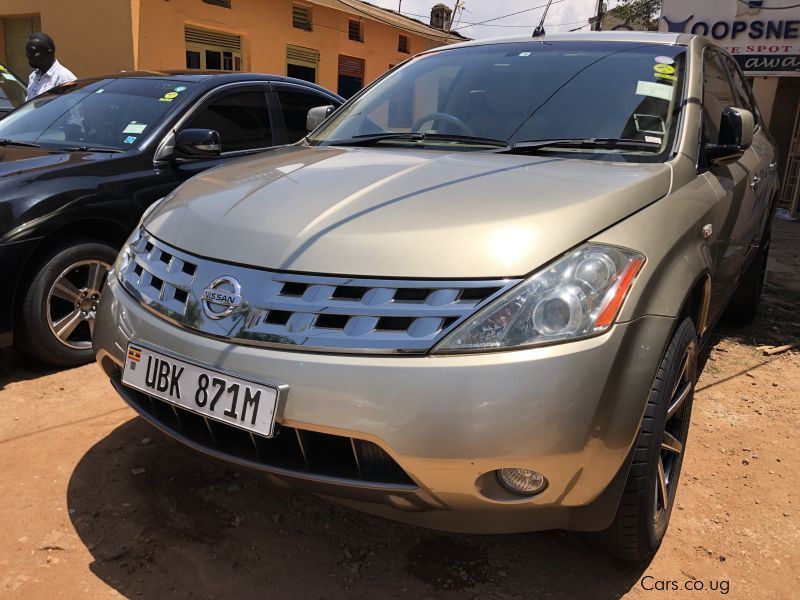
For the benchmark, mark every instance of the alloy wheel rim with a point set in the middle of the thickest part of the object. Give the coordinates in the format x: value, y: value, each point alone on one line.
x: 673, y: 439
x: 71, y: 304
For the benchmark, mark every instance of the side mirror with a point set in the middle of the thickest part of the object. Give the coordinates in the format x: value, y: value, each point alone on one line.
x: 735, y: 136
x: 197, y: 144
x: 317, y: 115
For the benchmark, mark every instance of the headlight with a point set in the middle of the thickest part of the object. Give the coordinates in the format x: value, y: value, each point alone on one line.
x: 577, y: 296
x: 125, y: 255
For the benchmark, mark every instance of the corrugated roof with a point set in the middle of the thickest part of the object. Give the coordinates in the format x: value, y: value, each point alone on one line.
x: 391, y: 17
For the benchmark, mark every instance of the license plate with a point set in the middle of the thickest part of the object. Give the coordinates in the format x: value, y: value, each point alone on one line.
x: 219, y: 396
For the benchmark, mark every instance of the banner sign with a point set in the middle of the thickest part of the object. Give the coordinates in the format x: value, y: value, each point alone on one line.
x: 763, y: 35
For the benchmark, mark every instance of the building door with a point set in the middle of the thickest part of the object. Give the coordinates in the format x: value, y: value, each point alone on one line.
x: 212, y: 50
x: 16, y: 32
x: 302, y: 63
x: 351, y: 75
x: 790, y: 196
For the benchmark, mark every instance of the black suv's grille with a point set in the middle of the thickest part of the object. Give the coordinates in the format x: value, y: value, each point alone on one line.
x: 292, y: 451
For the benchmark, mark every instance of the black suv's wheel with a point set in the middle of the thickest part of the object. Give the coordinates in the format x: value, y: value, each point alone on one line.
x: 56, y: 319
x: 646, y: 504
x: 743, y: 306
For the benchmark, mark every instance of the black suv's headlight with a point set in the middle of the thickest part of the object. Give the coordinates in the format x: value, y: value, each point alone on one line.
x: 577, y: 296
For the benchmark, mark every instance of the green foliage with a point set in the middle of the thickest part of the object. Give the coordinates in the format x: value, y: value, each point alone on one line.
x: 639, y: 11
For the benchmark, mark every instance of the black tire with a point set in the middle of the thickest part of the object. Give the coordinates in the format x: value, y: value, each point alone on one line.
x: 743, y: 305
x: 45, y: 305
x: 642, y: 517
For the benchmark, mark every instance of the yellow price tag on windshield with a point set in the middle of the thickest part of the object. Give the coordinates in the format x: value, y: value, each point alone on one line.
x: 664, y: 69
x: 171, y: 95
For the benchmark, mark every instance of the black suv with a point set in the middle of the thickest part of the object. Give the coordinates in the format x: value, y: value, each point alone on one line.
x: 80, y: 164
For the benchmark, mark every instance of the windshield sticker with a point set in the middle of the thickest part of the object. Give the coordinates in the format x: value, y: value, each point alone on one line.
x: 654, y: 90
x: 669, y: 78
x: 2, y: 68
x: 652, y: 139
x: 129, y: 140
x: 134, y: 127
x: 664, y: 69
x: 165, y: 99
x: 665, y: 60
x: 180, y: 88
x: 171, y: 95
x: 8, y: 76
x: 100, y: 91
x: 524, y: 54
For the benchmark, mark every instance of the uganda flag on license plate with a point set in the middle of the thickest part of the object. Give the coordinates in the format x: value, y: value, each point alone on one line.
x: 135, y: 355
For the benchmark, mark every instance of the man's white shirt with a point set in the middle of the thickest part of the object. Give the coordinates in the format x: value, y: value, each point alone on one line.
x: 38, y: 83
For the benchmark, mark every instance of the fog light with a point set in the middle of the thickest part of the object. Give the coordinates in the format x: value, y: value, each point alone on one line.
x: 522, y: 481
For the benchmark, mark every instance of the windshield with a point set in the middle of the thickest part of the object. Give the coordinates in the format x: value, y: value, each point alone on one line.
x: 107, y: 113
x: 12, y: 90
x: 525, y: 92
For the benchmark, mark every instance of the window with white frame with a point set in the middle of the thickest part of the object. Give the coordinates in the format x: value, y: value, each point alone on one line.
x: 212, y: 50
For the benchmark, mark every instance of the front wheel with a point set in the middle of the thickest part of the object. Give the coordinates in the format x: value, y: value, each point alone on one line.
x: 57, y: 315
x: 644, y: 510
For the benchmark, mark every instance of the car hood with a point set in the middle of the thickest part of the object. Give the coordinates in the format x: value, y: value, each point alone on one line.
x: 19, y: 160
x: 401, y: 213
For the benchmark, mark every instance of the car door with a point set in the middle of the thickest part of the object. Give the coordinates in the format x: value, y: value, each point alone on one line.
x: 763, y: 180
x: 294, y: 103
x: 240, y: 113
x: 730, y: 183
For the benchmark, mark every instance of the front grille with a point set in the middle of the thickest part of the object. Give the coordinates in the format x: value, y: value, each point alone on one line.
x: 161, y: 279
x: 291, y: 451
x: 315, y: 312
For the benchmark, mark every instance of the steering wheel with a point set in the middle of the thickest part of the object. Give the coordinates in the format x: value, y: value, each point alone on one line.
x: 440, y: 116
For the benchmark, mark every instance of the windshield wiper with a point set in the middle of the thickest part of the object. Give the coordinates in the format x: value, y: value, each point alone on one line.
x: 374, y: 138
x: 532, y: 146
x: 7, y: 142
x: 87, y: 149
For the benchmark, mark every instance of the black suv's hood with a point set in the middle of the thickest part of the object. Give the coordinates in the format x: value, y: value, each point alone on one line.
x: 18, y: 160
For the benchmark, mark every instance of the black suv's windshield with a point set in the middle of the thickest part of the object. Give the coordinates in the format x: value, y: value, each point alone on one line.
x: 108, y: 113
x: 609, y: 98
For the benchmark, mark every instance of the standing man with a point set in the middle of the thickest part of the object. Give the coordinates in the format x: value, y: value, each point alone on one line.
x: 48, y: 72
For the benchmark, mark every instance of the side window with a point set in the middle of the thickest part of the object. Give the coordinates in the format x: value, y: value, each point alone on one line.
x: 295, y: 105
x: 741, y: 88
x: 717, y: 95
x: 241, y: 119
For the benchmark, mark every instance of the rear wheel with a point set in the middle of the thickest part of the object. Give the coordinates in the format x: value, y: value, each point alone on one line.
x: 646, y: 505
x: 58, y: 310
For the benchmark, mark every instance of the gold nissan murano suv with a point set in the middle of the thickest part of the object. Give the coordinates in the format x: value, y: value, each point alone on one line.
x: 472, y: 298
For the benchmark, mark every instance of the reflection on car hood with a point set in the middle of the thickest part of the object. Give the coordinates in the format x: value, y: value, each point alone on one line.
x: 402, y: 213
x: 18, y: 160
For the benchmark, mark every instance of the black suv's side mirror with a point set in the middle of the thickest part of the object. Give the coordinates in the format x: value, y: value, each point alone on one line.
x: 735, y: 136
x: 317, y: 115
x: 192, y: 144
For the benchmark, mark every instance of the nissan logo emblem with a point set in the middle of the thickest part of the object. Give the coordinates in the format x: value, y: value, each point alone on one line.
x: 221, y: 297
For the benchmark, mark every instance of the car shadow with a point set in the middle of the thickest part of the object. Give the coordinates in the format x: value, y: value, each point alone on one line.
x: 16, y: 367
x: 161, y: 520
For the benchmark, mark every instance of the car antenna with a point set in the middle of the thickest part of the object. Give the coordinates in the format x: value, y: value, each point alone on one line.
x: 539, y: 31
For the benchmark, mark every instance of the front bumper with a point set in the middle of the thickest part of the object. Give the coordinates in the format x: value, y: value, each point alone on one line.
x: 570, y: 411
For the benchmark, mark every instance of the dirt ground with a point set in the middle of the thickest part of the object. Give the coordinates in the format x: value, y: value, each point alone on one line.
x: 96, y: 504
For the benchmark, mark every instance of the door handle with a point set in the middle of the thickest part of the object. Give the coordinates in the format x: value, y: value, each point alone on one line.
x: 755, y: 183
